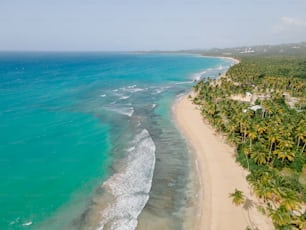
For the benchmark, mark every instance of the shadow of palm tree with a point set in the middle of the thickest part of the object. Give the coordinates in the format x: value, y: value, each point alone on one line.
x: 247, y: 206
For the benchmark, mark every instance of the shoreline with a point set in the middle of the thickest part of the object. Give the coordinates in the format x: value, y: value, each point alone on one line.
x: 217, y: 172
x: 234, y: 60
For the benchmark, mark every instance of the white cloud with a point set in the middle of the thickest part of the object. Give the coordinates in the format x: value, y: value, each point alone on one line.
x: 291, y: 25
x: 288, y: 21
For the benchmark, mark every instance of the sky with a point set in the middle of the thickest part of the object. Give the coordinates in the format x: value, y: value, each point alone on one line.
x: 134, y: 25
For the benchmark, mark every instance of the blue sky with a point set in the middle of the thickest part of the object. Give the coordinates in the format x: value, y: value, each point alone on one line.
x: 148, y: 24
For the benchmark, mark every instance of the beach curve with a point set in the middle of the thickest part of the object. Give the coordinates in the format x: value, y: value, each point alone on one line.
x: 218, y: 174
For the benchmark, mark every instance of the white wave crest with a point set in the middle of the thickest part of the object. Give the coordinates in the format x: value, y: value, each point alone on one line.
x: 129, y: 89
x: 130, y: 186
x: 27, y: 223
x: 198, y: 76
x: 132, y: 90
x: 124, y: 97
x: 160, y: 89
x: 210, y: 72
x: 183, y: 83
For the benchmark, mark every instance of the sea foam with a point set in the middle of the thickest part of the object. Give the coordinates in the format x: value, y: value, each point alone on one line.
x: 130, y: 186
x: 210, y: 72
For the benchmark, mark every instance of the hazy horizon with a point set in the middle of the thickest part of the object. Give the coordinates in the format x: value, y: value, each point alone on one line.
x: 144, y: 51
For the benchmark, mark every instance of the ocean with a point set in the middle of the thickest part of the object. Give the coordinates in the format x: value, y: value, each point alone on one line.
x: 88, y: 140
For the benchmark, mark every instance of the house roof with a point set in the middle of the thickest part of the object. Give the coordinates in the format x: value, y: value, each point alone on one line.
x: 256, y: 107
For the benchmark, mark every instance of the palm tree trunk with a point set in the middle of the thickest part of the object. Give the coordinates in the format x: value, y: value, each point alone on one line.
x: 298, y: 143
x: 271, y: 145
x: 303, y: 147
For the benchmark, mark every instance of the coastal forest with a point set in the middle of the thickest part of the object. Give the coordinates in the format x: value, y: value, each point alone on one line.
x: 259, y: 105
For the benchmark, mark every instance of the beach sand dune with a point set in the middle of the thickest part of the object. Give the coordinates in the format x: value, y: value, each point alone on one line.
x: 218, y: 173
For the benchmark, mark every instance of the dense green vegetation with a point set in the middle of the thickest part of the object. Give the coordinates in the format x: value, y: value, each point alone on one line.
x: 270, y: 137
x: 276, y: 66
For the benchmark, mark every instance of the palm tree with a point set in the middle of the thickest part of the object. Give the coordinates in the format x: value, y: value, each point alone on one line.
x: 290, y: 201
x: 198, y: 86
x: 285, y: 143
x: 280, y: 217
x: 231, y: 128
x: 284, y: 154
x: 238, y: 197
x: 273, y: 136
x: 252, y: 135
x: 264, y: 190
x: 260, y: 127
x: 219, y: 123
x: 244, y: 124
x: 301, y: 134
x: 234, y: 139
x: 260, y: 157
x: 267, y: 108
x: 262, y: 185
x: 247, y: 152
x: 299, y: 222
x: 280, y: 186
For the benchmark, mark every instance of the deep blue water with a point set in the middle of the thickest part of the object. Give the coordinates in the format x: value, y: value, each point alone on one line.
x: 72, y: 123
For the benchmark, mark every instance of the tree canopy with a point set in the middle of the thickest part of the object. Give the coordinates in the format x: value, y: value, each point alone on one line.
x: 271, y: 139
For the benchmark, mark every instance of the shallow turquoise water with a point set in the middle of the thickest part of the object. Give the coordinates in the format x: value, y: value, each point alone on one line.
x: 67, y: 120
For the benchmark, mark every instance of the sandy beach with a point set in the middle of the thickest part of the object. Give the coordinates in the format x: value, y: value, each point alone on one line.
x: 218, y: 174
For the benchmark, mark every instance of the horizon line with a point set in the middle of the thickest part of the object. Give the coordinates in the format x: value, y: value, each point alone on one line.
x: 144, y: 51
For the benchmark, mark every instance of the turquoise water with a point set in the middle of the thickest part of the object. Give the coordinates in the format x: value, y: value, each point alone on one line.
x: 72, y: 123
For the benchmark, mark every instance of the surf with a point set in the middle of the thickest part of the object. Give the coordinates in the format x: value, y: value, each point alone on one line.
x: 122, y: 197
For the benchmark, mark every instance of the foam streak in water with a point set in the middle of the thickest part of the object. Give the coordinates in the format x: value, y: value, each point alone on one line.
x: 127, y: 111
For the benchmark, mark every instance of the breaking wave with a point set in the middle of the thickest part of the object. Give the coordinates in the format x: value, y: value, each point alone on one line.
x: 131, y: 186
x: 125, y: 193
x: 210, y: 72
